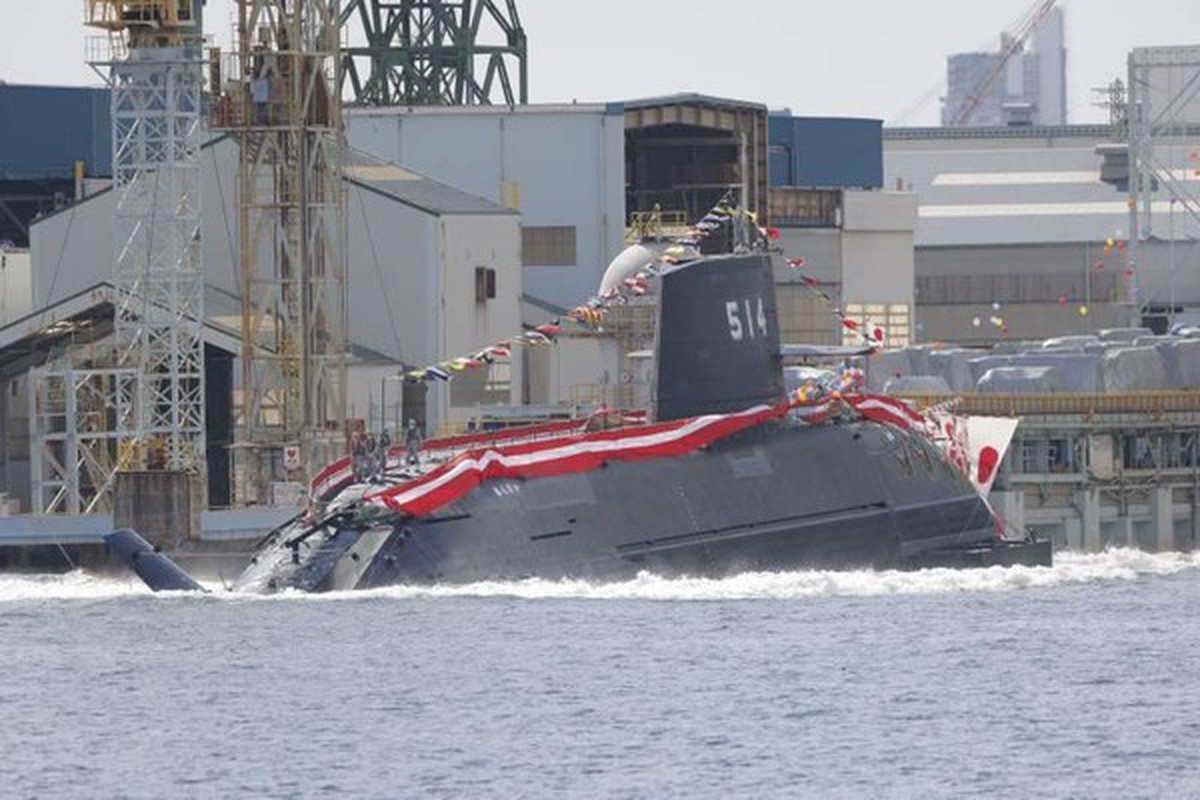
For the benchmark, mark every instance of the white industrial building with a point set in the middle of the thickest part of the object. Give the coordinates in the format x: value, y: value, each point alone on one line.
x: 433, y: 272
x: 414, y: 247
x: 1020, y: 217
x: 580, y: 174
x: 560, y: 166
x: 859, y: 247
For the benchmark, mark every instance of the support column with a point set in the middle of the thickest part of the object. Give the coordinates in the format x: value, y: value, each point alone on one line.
x: 1162, y: 518
x: 1088, y: 502
x: 164, y: 507
x: 1073, y: 530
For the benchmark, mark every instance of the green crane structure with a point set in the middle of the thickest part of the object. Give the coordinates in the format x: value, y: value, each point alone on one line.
x: 434, y: 52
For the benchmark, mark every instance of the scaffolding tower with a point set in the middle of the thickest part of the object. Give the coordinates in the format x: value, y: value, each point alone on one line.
x: 1162, y: 114
x: 434, y: 52
x: 138, y: 405
x: 283, y: 108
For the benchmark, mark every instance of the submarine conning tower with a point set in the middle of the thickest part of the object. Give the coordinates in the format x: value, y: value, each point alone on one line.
x: 717, y: 345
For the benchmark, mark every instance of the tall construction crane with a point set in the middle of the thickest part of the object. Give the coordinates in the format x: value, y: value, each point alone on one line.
x: 155, y: 68
x: 1012, y: 44
x: 434, y: 52
x: 283, y: 108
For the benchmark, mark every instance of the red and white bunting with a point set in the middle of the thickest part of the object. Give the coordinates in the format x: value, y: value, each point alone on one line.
x: 880, y: 408
x: 558, y: 457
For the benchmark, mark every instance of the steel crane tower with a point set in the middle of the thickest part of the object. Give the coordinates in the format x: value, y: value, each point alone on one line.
x: 283, y: 108
x: 1162, y: 117
x: 155, y: 68
x: 434, y: 52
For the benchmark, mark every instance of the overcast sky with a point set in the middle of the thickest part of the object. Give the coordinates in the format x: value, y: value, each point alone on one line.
x: 872, y: 58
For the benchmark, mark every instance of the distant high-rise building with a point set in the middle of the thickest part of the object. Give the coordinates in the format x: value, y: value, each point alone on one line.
x: 1032, y: 90
x: 1051, y: 55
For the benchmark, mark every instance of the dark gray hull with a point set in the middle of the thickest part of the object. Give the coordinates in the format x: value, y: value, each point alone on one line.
x: 776, y: 497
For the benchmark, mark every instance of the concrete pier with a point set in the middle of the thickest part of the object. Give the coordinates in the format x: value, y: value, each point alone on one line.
x: 164, y: 507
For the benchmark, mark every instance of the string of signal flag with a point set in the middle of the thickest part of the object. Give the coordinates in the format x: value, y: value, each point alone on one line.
x: 591, y: 314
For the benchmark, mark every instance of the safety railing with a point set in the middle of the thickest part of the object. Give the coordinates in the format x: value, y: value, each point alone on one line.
x: 655, y: 225
x: 1085, y: 404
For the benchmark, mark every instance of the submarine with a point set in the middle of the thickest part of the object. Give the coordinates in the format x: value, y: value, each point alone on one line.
x: 726, y: 472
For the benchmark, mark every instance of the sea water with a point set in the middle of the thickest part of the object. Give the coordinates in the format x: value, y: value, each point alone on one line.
x: 1073, y: 681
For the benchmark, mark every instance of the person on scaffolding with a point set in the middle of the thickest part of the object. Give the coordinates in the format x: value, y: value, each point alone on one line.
x: 357, y: 456
x: 369, y: 457
x: 385, y: 444
x: 412, y: 443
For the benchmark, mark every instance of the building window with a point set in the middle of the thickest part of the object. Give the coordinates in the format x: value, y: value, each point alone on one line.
x: 1138, y: 451
x: 485, y: 284
x: 548, y: 246
x: 1033, y: 456
x: 893, y: 319
x: 1063, y: 454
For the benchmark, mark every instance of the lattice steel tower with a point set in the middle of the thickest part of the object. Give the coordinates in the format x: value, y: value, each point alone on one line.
x: 155, y: 68
x: 284, y: 110
x: 434, y: 52
x: 1163, y: 117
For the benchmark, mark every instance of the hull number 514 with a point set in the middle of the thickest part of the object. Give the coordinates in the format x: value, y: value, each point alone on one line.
x: 746, y: 319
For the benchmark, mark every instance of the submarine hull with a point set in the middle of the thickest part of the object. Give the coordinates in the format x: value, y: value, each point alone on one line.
x: 762, y: 490
x: 776, y: 497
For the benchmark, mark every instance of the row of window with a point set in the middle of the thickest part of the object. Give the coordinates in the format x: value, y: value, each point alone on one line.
x: 1166, y: 450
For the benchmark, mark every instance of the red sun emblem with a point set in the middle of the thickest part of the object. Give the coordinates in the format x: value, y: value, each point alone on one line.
x: 989, y: 458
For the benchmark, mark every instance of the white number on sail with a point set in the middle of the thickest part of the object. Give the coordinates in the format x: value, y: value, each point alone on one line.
x: 735, y: 322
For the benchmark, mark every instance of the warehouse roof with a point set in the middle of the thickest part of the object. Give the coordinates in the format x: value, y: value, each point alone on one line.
x: 1013, y: 186
x: 82, y: 318
x: 414, y: 189
x: 694, y: 99
x: 386, y: 179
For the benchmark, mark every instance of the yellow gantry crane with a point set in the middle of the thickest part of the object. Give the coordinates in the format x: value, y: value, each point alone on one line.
x: 282, y: 106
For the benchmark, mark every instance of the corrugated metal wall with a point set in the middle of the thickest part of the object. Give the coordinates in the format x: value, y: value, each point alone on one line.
x: 46, y: 129
x: 826, y: 152
x: 558, y: 166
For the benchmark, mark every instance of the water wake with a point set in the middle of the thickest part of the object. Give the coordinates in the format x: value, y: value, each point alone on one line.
x: 1069, y: 569
x: 76, y: 585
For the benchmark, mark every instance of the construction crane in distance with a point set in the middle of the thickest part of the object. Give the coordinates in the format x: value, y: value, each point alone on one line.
x: 1012, y: 44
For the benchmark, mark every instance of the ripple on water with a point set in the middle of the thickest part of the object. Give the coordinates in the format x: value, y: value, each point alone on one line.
x: 1066, y: 681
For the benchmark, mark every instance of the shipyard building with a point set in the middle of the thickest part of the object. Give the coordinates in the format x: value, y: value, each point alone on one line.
x: 463, y: 223
x: 1068, y: 228
x: 590, y: 180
